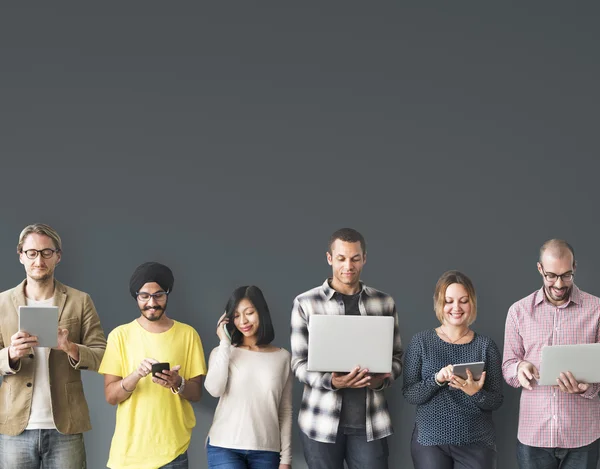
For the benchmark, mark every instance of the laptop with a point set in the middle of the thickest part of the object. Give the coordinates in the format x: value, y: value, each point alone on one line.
x: 582, y: 360
x: 340, y: 343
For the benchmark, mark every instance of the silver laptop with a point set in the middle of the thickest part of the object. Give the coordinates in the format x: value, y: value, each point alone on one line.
x: 340, y: 343
x: 41, y: 321
x: 583, y: 360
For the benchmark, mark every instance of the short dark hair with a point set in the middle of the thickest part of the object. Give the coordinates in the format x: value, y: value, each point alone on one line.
x: 265, y: 333
x: 348, y: 235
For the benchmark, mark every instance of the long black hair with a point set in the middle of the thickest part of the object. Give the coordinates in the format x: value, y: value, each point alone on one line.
x: 265, y: 333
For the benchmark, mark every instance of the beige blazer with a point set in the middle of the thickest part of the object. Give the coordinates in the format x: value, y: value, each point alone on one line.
x: 77, y: 313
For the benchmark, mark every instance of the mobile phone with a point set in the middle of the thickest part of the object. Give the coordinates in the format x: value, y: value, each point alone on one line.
x: 226, y: 331
x: 475, y: 368
x: 159, y: 367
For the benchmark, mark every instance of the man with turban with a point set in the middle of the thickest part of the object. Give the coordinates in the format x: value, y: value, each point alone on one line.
x: 154, y: 415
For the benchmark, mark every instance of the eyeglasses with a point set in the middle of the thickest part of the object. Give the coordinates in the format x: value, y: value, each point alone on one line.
x: 158, y: 296
x: 46, y: 253
x: 552, y: 277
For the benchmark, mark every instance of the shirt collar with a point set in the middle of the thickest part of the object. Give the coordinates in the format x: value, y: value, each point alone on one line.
x: 328, y: 292
x: 575, y: 297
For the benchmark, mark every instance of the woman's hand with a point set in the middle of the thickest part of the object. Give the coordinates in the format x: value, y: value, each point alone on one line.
x: 444, y: 375
x: 468, y: 386
x: 220, y: 332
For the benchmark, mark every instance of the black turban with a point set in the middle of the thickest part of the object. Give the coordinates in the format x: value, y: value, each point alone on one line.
x: 151, y: 272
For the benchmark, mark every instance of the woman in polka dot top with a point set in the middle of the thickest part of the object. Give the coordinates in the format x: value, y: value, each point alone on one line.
x: 454, y: 415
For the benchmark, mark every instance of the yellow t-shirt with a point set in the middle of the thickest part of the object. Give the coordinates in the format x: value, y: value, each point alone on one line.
x: 154, y: 426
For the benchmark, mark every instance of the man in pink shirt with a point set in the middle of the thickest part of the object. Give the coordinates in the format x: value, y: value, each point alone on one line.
x: 559, y: 426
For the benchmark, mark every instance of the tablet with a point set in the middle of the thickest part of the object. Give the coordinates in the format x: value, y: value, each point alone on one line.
x: 476, y: 368
x: 41, y: 321
x: 341, y: 343
x: 582, y: 360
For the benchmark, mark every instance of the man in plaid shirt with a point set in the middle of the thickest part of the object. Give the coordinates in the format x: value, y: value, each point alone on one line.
x: 343, y: 416
x: 559, y: 426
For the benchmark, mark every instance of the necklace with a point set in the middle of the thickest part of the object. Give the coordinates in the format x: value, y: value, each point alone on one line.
x: 448, y: 337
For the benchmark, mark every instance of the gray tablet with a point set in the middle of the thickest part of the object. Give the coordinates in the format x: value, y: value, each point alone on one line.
x: 41, y: 321
x: 476, y: 368
x: 582, y: 360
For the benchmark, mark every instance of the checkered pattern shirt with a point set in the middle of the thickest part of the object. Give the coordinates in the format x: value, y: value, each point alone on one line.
x: 319, y: 415
x: 549, y: 417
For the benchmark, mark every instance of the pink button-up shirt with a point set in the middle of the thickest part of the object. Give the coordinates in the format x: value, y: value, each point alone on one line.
x: 549, y: 417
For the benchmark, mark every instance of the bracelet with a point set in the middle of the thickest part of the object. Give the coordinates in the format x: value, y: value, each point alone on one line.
x: 437, y: 382
x: 180, y: 388
x: 123, y: 387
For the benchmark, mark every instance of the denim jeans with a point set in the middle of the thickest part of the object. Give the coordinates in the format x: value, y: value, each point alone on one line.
x: 180, y: 462
x: 226, y: 458
x: 34, y: 448
x: 350, y: 445
x: 531, y: 457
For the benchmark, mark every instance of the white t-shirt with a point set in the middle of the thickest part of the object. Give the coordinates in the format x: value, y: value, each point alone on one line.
x: 41, y: 417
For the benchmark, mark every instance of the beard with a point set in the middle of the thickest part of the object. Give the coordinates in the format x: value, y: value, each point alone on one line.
x: 563, y: 295
x: 158, y: 309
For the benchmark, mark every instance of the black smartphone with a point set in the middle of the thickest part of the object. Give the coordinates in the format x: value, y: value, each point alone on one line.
x: 159, y: 367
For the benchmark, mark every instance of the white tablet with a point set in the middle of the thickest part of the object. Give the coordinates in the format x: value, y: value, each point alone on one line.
x: 583, y: 360
x: 41, y: 321
x: 340, y: 343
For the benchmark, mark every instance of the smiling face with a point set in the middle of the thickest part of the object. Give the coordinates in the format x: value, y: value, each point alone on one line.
x: 153, y: 308
x: 246, y: 320
x: 553, y: 268
x: 457, y: 307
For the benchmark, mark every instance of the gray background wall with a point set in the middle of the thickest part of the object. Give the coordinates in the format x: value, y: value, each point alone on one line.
x: 229, y: 140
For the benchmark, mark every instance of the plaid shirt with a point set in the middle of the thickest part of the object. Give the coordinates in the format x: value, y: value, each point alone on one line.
x: 319, y: 415
x: 549, y: 417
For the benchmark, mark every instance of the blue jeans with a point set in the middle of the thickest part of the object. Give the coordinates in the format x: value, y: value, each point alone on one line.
x: 350, y: 445
x: 180, y: 462
x: 226, y: 458
x: 531, y: 457
x: 48, y: 448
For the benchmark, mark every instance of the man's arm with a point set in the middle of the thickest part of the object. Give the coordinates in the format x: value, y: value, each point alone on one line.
x: 396, y: 357
x: 299, y: 346
x: 88, y: 354
x: 513, y: 350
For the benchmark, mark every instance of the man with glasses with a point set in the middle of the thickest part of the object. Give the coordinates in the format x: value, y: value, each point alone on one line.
x: 559, y: 426
x: 153, y: 368
x: 43, y: 410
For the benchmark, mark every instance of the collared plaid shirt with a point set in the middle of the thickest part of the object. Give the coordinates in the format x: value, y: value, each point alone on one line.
x: 319, y: 415
x: 549, y: 417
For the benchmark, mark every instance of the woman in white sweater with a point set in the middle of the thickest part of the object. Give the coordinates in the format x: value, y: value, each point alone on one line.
x: 252, y: 426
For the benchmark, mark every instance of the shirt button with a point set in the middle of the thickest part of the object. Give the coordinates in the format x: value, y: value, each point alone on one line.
x: 29, y: 385
x: 555, y: 417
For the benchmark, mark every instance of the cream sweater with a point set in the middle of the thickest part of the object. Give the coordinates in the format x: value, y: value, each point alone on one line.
x: 255, y: 399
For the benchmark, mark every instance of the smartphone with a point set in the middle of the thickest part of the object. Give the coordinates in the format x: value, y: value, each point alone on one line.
x: 475, y: 368
x: 226, y: 331
x: 159, y: 367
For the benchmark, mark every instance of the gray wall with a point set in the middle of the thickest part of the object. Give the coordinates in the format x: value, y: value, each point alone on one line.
x: 229, y: 141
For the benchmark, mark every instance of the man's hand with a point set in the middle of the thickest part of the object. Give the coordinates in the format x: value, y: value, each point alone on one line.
x: 168, y: 378
x: 526, y: 373
x: 357, y: 378
x: 567, y: 383
x: 377, y: 380
x: 20, y: 343
x: 145, y: 367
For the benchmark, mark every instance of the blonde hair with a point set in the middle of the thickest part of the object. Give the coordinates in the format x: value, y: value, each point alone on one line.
x: 39, y: 228
x: 439, y: 297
